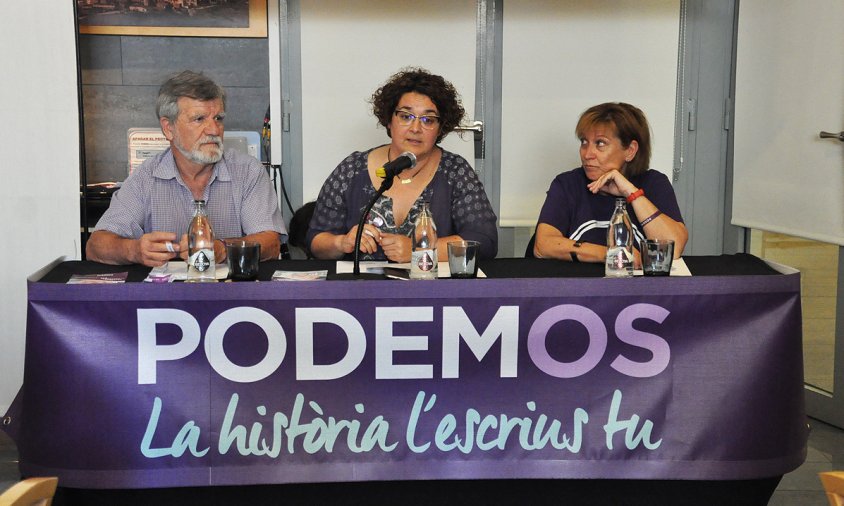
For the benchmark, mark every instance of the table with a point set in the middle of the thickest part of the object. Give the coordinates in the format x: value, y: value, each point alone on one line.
x: 514, y: 381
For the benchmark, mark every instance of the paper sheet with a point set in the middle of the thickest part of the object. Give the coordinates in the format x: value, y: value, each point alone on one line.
x: 299, y: 275
x: 678, y: 268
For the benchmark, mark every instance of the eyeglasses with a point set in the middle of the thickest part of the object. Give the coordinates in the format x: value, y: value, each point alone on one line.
x: 428, y: 122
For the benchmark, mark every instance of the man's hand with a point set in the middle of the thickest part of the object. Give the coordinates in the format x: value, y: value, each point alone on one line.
x: 158, y: 248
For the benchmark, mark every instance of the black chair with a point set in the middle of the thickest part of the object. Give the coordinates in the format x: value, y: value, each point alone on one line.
x: 285, y: 251
x: 299, y: 224
x: 529, y: 249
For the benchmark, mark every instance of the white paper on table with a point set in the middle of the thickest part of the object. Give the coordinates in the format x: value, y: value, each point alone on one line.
x: 371, y: 266
x: 377, y: 267
x: 678, y: 268
x: 178, y: 270
x: 300, y: 275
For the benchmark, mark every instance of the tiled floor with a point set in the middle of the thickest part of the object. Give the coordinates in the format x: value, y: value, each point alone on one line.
x: 802, y: 487
x: 8, y: 462
x: 799, y: 488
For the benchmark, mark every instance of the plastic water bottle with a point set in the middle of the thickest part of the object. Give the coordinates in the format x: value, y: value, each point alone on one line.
x: 423, y: 258
x: 200, y: 246
x: 619, y: 262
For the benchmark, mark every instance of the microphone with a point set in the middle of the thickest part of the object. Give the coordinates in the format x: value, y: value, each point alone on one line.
x: 391, y: 169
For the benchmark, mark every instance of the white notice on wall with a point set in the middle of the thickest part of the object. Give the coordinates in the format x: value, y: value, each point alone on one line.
x: 144, y: 143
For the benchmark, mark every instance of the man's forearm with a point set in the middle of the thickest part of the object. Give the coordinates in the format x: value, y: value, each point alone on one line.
x: 270, y: 243
x: 109, y: 248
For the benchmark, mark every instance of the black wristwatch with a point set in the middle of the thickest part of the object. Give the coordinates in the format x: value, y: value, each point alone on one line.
x: 574, y: 253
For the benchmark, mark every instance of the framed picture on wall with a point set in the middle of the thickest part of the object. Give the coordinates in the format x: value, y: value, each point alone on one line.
x: 184, y: 18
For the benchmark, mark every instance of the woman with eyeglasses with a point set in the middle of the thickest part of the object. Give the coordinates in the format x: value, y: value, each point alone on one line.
x: 615, y: 152
x: 418, y: 109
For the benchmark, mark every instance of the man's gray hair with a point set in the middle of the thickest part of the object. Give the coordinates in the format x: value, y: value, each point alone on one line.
x: 186, y: 84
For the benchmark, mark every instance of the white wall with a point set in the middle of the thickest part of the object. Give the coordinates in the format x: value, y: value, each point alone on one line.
x: 559, y: 58
x: 350, y: 48
x: 39, y: 197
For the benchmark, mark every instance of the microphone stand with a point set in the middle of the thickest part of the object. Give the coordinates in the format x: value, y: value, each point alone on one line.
x: 356, y: 274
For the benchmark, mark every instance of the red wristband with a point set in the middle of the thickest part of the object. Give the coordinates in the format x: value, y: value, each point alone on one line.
x: 635, y: 195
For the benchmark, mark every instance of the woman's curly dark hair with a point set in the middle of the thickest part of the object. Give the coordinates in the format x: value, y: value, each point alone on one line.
x: 413, y: 79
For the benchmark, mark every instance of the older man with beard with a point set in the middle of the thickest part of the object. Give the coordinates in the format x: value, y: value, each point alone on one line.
x: 148, y: 218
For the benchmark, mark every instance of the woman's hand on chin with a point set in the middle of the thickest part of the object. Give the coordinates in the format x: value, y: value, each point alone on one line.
x: 612, y: 183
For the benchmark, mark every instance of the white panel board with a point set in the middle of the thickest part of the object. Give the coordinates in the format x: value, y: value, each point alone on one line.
x: 39, y: 197
x: 789, y: 87
x: 560, y: 58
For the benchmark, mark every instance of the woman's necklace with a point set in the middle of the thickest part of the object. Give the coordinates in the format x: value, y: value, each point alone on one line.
x: 405, y: 180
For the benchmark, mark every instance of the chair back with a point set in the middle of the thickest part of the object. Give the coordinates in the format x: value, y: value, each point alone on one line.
x: 299, y: 225
x: 529, y: 248
x: 833, y: 484
x: 30, y: 492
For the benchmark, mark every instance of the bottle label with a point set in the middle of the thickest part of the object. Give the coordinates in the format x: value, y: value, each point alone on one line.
x: 202, y: 260
x: 619, y: 262
x: 424, y: 261
x: 423, y: 264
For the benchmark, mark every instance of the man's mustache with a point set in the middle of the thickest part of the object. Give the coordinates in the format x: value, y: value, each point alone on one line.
x: 212, y: 139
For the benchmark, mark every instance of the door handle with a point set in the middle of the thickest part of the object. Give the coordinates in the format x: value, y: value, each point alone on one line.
x: 477, y: 129
x: 829, y: 135
x: 476, y: 126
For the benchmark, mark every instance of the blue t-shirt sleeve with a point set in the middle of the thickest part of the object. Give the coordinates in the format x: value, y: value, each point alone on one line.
x: 556, y: 210
x: 660, y: 192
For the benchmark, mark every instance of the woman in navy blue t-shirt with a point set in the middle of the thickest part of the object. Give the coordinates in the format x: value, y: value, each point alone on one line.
x: 615, y: 150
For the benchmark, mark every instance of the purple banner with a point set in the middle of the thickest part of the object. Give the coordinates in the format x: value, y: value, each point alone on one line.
x: 146, y: 385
